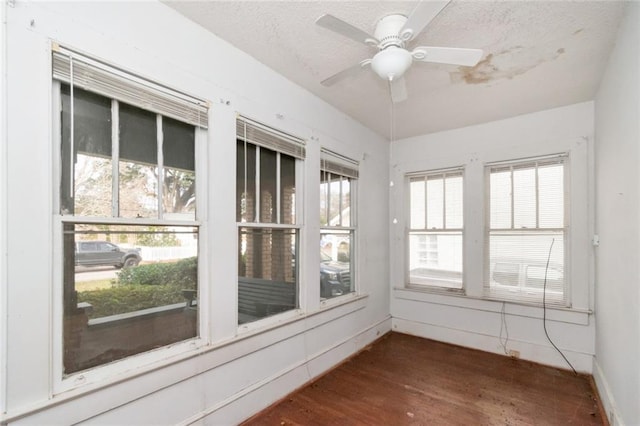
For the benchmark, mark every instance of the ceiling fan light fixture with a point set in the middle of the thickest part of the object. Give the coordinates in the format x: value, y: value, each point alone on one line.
x: 391, y: 63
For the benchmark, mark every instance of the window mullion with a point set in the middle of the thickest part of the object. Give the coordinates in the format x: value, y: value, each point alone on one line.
x: 72, y: 163
x: 327, y: 196
x: 278, y: 185
x: 339, y: 200
x: 160, y: 165
x: 257, y: 201
x: 513, y: 191
x: 329, y: 177
x: 115, y: 158
x: 426, y: 204
x: 444, y: 201
x: 537, y: 199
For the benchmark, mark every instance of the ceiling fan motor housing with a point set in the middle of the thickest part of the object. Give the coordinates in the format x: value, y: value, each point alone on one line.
x: 388, y: 31
x: 391, y: 63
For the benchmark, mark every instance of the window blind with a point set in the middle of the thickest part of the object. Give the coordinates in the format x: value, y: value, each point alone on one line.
x: 436, y: 200
x: 435, y: 232
x: 338, y: 164
x: 98, y: 77
x: 267, y: 137
x: 526, y: 230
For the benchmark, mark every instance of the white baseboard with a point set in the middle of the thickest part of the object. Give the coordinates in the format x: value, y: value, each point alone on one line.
x: 604, y: 391
x: 541, y: 354
x: 262, y: 394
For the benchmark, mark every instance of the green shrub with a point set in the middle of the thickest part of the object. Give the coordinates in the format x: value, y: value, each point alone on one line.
x: 183, y: 274
x: 129, y: 298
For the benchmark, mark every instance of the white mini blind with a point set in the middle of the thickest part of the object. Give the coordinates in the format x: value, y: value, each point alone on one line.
x: 338, y: 164
x: 435, y: 232
x: 267, y: 137
x: 527, y: 229
x: 101, y: 78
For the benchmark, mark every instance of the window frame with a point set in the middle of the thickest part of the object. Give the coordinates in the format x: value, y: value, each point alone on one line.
x: 338, y: 165
x: 488, y: 293
x: 62, y: 382
x: 262, y: 136
x: 443, y: 172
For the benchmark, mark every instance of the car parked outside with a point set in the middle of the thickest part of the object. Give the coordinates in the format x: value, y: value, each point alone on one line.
x: 527, y: 277
x: 335, y: 277
x: 104, y: 253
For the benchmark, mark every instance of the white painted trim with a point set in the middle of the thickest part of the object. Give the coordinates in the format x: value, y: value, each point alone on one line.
x: 3, y: 206
x: 300, y: 371
x: 606, y: 397
x: 568, y: 315
x: 174, y: 369
x: 547, y: 355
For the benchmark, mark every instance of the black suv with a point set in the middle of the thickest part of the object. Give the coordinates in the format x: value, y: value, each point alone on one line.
x: 335, y: 277
x: 104, y: 253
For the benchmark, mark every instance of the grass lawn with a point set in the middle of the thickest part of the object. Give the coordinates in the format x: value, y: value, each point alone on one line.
x: 92, y: 285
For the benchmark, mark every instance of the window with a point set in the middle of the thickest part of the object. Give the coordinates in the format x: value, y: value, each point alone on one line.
x: 338, y: 176
x: 435, y: 229
x: 127, y: 212
x: 527, y: 230
x: 266, y: 210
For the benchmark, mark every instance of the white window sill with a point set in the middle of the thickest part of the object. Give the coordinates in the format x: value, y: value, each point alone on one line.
x: 344, y: 304
x: 117, y: 373
x: 459, y: 300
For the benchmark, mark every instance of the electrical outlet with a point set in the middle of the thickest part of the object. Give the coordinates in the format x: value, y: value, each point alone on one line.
x: 513, y: 353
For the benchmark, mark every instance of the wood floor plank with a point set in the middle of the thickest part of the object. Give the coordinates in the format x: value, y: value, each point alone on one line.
x: 406, y: 380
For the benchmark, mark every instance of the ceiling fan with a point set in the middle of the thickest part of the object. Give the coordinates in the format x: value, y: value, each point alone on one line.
x: 391, y: 35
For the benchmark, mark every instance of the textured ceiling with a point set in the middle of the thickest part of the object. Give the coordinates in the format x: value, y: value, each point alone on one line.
x: 537, y: 55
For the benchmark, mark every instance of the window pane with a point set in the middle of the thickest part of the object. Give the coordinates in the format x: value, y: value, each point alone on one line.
x: 93, y: 186
x: 334, y: 201
x: 92, y: 168
x: 435, y: 202
x: 416, y: 188
x: 324, y: 198
x: 138, y: 171
x: 500, y: 199
x: 287, y: 189
x: 268, y: 185
x: 517, y: 261
x: 138, y: 135
x: 127, y: 289
x: 246, y: 182
x: 178, y: 144
x: 336, y: 276
x: 345, y: 214
x: 453, y: 202
x: 179, y: 179
x: 179, y: 194
x: 138, y: 190
x: 435, y: 259
x: 551, y: 193
x: 524, y: 198
x: 267, y: 272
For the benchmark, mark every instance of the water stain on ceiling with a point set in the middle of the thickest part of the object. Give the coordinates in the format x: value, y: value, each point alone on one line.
x: 506, y: 64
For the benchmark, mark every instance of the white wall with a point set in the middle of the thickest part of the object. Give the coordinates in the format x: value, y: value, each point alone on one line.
x: 233, y: 375
x: 617, y: 121
x: 470, y: 320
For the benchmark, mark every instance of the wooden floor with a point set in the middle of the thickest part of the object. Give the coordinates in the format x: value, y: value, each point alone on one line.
x: 406, y: 380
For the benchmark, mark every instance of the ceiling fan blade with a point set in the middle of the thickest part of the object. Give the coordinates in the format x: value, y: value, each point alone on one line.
x: 398, y: 88
x: 447, y: 55
x: 339, y: 26
x: 424, y: 13
x: 345, y: 73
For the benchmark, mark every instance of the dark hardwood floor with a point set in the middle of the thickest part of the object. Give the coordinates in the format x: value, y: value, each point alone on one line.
x: 402, y: 379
